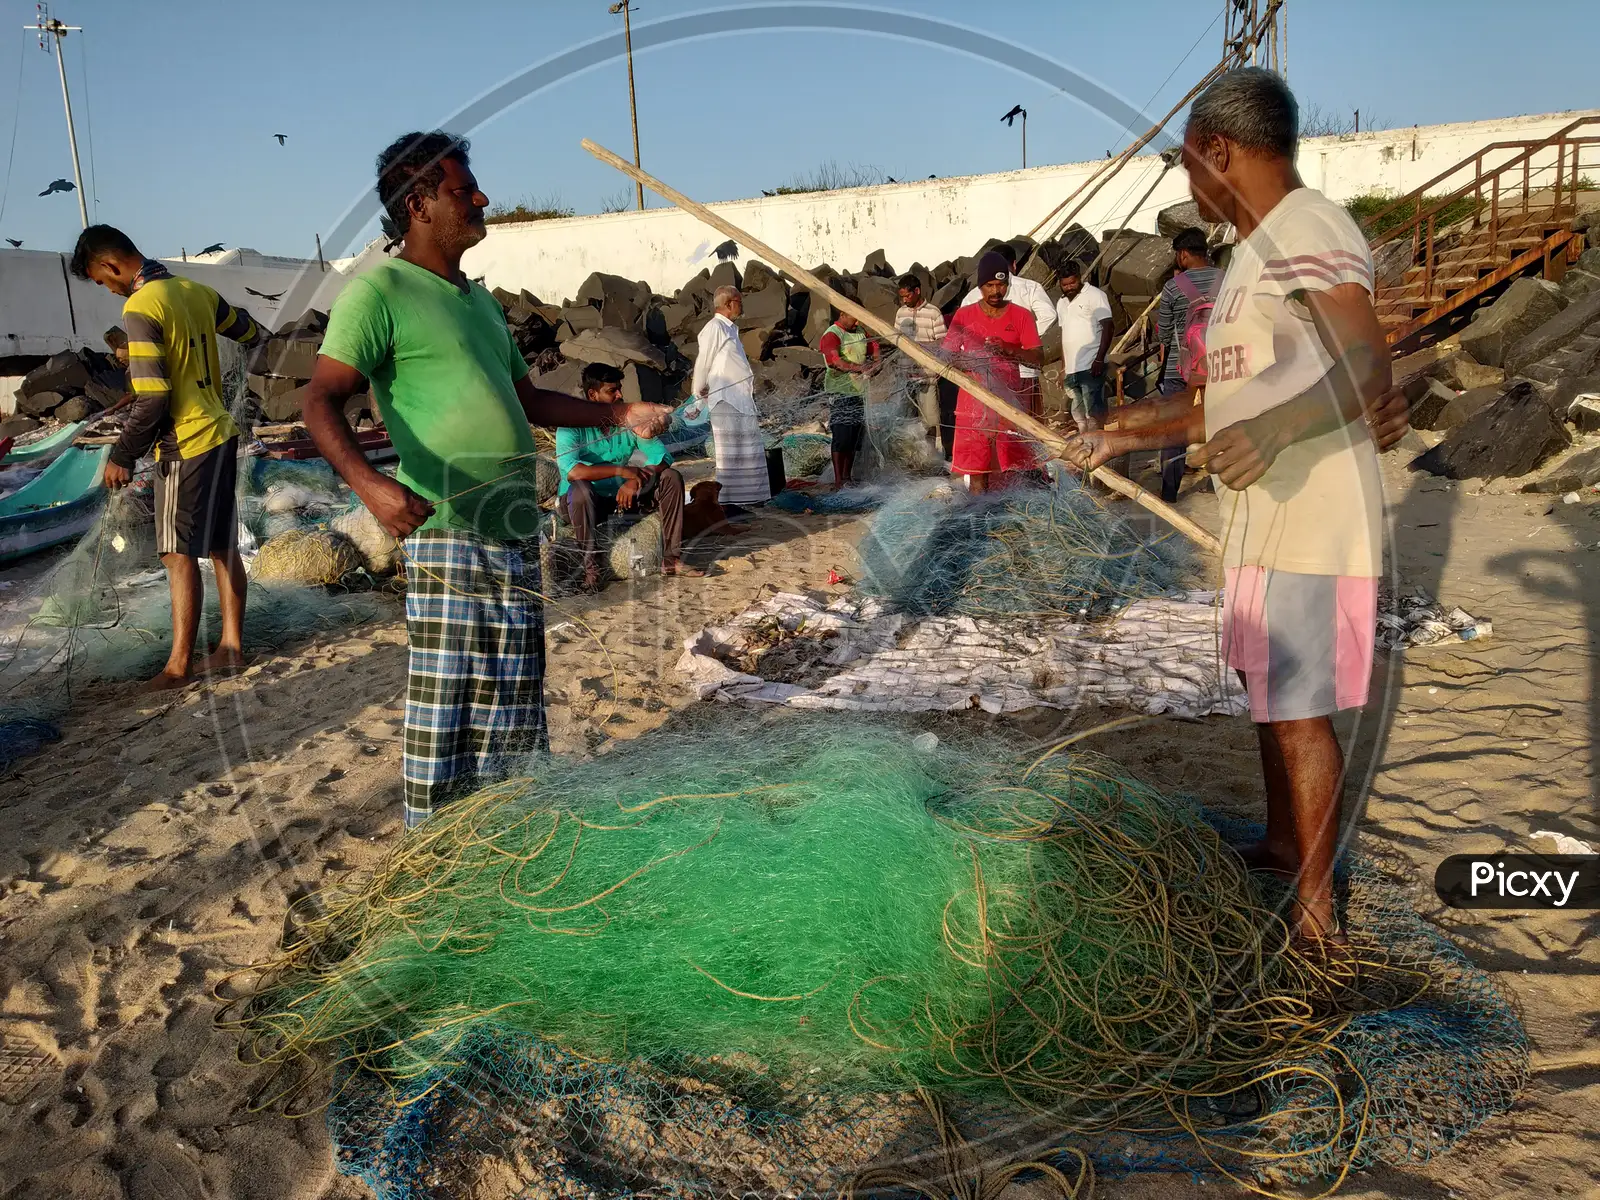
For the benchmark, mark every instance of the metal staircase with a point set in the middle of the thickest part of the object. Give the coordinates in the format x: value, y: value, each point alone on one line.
x: 1511, y: 207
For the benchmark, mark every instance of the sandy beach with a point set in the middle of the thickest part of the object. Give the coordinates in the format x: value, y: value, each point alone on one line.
x: 155, y: 848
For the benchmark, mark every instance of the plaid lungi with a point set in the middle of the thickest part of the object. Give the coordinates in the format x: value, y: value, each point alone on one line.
x: 475, y: 691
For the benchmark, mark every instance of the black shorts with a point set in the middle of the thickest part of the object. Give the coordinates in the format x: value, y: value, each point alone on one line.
x: 194, y: 497
x: 848, y: 436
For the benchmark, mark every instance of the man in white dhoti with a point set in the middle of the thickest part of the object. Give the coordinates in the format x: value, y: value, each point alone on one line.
x: 725, y: 384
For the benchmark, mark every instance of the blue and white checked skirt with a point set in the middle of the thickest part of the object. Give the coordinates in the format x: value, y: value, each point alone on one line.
x: 475, y: 691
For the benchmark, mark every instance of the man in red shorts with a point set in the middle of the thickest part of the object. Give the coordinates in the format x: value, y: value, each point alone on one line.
x: 991, y: 340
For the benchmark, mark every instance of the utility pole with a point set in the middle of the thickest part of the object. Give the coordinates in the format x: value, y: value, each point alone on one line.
x: 1018, y: 111
x: 623, y: 7
x: 47, y: 26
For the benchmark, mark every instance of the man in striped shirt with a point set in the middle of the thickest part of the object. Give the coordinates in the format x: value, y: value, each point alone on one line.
x: 924, y: 324
x: 1196, y: 280
x: 172, y: 326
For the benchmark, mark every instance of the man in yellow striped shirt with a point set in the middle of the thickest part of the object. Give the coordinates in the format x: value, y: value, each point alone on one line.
x: 178, y: 410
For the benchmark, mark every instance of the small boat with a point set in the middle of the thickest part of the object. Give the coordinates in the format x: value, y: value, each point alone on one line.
x: 63, y: 503
x: 46, y: 448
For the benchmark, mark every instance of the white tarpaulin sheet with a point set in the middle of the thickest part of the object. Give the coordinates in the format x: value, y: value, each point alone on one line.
x: 1154, y: 656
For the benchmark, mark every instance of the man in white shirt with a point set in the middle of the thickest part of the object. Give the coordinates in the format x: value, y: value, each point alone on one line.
x: 1295, y: 357
x: 725, y: 384
x: 1033, y: 297
x: 1085, y: 315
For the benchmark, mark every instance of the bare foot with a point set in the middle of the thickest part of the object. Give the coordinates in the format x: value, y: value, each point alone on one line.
x: 729, y: 529
x: 676, y: 566
x: 167, y: 681
x: 591, y: 577
x: 1274, y: 860
x: 221, y: 661
x: 1328, y: 948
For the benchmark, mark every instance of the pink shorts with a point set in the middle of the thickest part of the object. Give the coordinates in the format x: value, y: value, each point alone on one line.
x: 1303, y: 642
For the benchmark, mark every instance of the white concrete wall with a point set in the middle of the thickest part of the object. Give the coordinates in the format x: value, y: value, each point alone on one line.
x: 43, y: 310
x: 941, y: 219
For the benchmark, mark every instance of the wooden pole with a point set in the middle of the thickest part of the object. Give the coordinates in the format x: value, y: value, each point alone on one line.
x: 1122, y: 342
x: 1023, y: 421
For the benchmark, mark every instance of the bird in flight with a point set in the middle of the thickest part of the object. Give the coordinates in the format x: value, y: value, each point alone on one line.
x: 59, y: 185
x: 282, y: 137
x: 264, y: 295
x: 212, y: 249
x: 1016, y: 112
x: 15, y: 241
x: 728, y: 249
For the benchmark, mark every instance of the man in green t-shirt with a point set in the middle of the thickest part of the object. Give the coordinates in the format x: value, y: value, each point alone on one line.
x: 455, y: 396
x: 598, y: 478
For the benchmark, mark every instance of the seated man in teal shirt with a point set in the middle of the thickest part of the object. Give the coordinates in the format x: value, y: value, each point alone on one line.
x: 598, y: 478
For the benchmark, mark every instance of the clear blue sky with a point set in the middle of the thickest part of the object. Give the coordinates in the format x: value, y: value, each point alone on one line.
x: 181, y: 97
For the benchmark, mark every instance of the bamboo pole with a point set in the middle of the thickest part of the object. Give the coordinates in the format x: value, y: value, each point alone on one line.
x: 1128, y: 334
x: 1025, y: 422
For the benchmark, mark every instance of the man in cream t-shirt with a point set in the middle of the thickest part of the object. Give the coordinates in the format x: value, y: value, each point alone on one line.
x: 1295, y: 358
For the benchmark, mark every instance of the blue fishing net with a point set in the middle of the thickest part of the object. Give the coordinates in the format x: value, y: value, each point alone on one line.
x: 1023, y: 551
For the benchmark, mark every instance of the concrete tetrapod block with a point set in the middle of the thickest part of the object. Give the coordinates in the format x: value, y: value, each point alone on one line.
x: 723, y: 275
x: 579, y: 317
x: 38, y: 404
x: 879, y: 296
x: 755, y: 339
x: 642, y: 385
x: 62, y: 373
x: 615, y: 347
x: 806, y: 356
x: 757, y: 275
x: 291, y: 358
x: 1139, y: 265
x: 877, y: 263
x: 948, y: 298
x: 768, y: 306
x: 1523, y: 307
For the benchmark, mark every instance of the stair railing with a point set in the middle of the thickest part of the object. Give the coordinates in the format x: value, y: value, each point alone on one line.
x: 1566, y: 180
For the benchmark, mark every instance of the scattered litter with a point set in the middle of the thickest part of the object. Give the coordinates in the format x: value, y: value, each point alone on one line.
x: 1565, y: 844
x: 1417, y: 619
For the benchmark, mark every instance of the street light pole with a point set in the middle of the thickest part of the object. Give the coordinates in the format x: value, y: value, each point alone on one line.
x: 46, y: 24
x: 633, y: 103
x: 1024, y: 139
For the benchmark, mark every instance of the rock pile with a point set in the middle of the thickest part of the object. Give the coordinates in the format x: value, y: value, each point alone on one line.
x: 1526, y: 374
x: 70, y: 386
x: 652, y: 337
x: 282, y: 367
